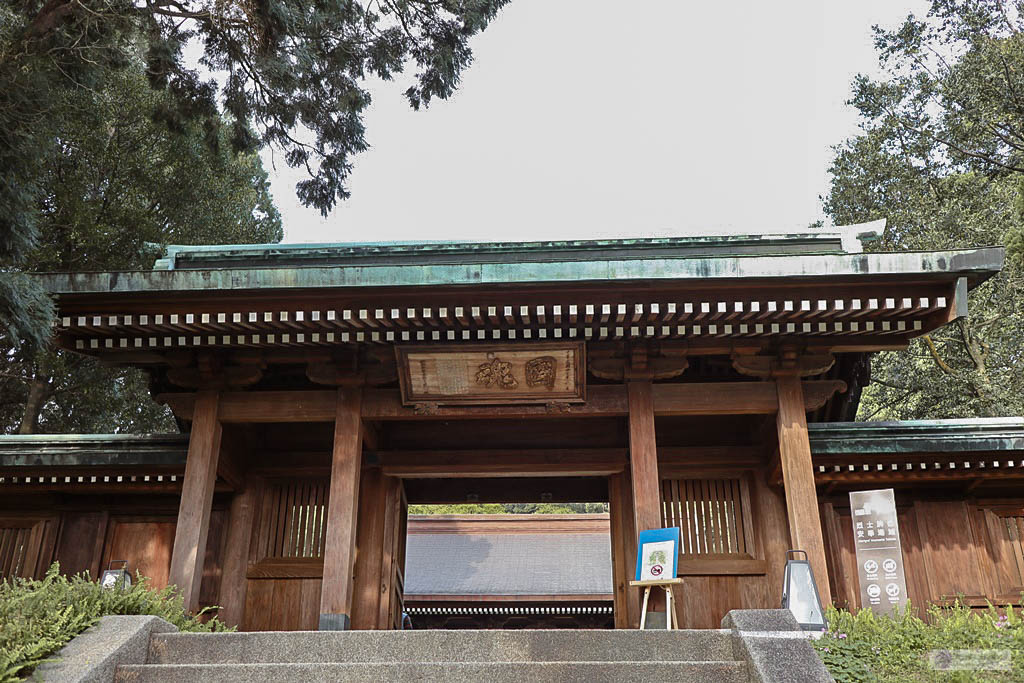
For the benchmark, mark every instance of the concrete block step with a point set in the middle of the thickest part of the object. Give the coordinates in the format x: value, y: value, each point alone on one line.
x: 441, y: 646
x: 452, y: 672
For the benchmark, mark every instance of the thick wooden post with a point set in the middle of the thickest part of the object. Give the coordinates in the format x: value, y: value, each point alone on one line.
x: 369, y: 550
x: 643, y: 469
x: 798, y: 479
x: 342, y: 506
x: 196, y: 499
x: 623, y: 540
x: 392, y: 488
x: 643, y: 457
x: 233, y: 582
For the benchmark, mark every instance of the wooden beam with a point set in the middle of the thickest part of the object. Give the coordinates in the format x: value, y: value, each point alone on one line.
x: 798, y: 480
x: 685, y: 458
x: 233, y: 582
x: 555, y: 462
x: 722, y: 398
x: 1010, y: 476
x: 721, y: 566
x: 342, y: 508
x: 189, y: 551
x: 506, y: 490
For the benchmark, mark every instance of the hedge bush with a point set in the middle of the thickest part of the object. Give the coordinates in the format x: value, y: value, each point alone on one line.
x: 863, y: 646
x: 38, y: 617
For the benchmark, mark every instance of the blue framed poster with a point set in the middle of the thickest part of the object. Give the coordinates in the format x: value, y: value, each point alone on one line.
x: 657, y: 554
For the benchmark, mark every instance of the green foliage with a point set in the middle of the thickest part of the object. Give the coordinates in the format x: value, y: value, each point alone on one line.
x: 508, y: 509
x: 941, y: 158
x: 109, y: 202
x: 291, y: 75
x: 37, y: 618
x: 863, y: 646
x: 79, y: 396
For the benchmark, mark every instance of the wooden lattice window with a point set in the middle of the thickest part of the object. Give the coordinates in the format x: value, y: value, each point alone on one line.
x: 1015, y: 534
x: 713, y: 516
x: 293, y: 521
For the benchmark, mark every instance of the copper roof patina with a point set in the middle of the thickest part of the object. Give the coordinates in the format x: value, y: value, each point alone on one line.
x: 804, y: 256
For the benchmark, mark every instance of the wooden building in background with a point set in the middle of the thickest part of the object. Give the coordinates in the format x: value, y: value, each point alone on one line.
x: 706, y: 383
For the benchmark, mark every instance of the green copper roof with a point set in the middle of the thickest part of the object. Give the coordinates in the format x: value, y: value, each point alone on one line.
x: 918, y: 436
x: 92, y: 450
x: 515, y: 268
x: 439, y: 252
x: 966, y: 436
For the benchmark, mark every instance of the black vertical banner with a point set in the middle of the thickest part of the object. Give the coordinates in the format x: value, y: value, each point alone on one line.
x: 876, y: 535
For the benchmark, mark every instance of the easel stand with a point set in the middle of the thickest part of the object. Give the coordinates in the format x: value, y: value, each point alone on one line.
x: 670, y: 618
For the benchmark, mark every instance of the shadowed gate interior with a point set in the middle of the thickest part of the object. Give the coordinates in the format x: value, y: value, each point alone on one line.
x: 712, y: 486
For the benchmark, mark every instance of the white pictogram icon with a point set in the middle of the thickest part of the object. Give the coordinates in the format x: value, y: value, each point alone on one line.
x: 889, y: 565
x: 871, y: 566
x: 892, y: 590
x: 874, y: 591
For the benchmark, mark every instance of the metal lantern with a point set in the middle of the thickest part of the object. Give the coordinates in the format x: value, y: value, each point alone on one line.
x: 800, y: 593
x: 116, y: 578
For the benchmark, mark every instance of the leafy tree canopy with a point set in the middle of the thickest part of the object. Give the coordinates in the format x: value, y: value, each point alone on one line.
x: 287, y: 73
x: 941, y: 157
x: 115, y: 188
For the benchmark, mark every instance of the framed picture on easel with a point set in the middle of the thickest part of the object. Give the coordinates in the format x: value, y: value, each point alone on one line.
x: 657, y: 554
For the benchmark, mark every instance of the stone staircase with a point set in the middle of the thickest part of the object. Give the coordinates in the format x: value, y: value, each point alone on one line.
x: 708, y: 656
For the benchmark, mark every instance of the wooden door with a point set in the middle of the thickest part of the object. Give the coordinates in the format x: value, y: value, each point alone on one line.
x: 145, y: 542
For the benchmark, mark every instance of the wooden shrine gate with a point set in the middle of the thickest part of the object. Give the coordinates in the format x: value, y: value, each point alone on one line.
x: 330, y: 532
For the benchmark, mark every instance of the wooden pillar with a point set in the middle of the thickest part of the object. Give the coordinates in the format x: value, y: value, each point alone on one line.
x: 196, y: 499
x: 623, y: 542
x: 233, y: 582
x: 643, y: 457
x: 643, y: 471
x: 369, y: 550
x: 392, y: 488
x: 798, y: 479
x: 342, y: 505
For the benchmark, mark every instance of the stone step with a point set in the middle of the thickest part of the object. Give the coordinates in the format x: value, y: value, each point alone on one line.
x: 452, y: 672
x: 441, y: 646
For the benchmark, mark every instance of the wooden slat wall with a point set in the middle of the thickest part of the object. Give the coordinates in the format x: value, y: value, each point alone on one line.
x: 950, y: 549
x: 709, y: 514
x: 704, y: 599
x: 286, y: 556
x: 1015, y: 539
x: 13, y: 550
x: 292, y: 519
x: 145, y: 542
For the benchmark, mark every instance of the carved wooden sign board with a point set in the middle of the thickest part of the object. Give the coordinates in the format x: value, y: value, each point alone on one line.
x: 540, y: 372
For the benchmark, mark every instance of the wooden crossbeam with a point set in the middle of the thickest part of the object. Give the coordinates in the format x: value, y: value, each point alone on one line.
x: 724, y: 398
x: 503, y: 463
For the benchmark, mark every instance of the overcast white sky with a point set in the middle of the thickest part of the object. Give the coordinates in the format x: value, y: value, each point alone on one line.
x: 590, y: 118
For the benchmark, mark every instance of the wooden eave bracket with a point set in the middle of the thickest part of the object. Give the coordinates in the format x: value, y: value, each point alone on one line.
x: 639, y: 360
x: 787, y: 360
x: 351, y: 369
x: 211, y: 370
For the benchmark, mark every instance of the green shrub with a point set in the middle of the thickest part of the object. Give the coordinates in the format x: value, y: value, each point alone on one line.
x: 863, y: 646
x: 37, y: 618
